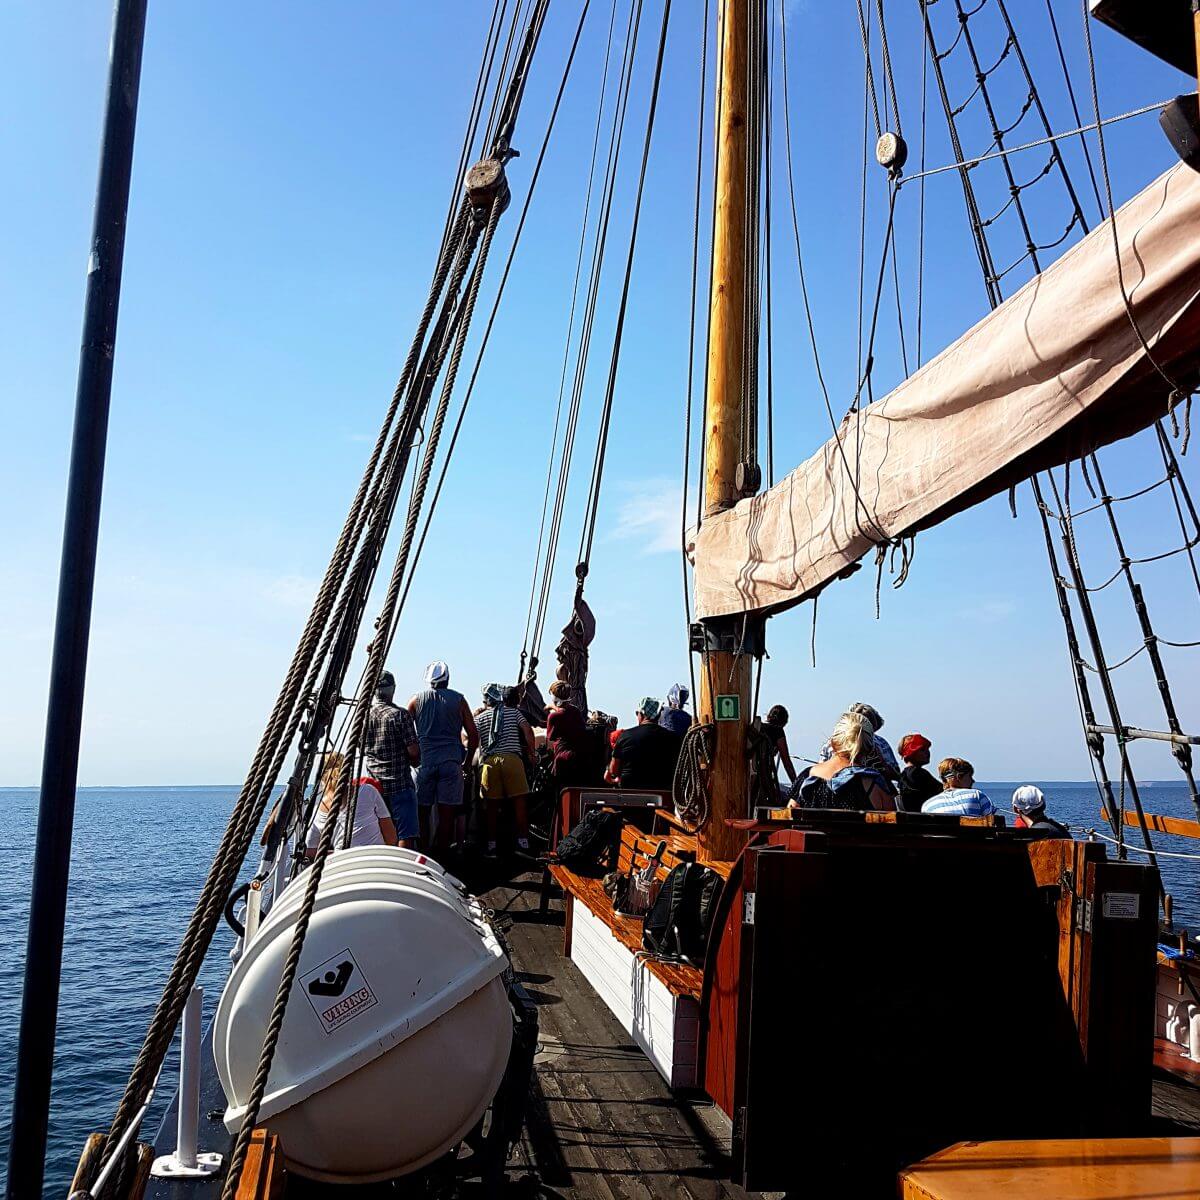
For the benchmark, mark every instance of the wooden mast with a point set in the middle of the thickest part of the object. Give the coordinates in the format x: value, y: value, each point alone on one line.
x: 727, y: 673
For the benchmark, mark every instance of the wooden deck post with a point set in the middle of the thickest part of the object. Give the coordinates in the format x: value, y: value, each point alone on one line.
x: 727, y: 674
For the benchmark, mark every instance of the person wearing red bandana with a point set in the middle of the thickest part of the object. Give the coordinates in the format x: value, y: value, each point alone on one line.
x: 916, y: 784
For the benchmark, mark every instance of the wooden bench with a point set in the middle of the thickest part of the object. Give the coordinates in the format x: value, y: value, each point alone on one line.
x: 657, y: 1003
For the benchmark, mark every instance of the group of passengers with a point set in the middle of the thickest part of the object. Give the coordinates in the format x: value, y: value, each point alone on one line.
x: 437, y: 736
x: 858, y: 769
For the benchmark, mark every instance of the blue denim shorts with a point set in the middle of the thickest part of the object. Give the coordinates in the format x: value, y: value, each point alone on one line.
x: 402, y: 804
x: 440, y: 783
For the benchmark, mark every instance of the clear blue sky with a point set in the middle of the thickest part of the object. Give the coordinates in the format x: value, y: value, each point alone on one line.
x: 292, y: 169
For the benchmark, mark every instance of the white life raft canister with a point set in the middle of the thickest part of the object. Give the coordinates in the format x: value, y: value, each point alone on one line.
x: 397, y: 1031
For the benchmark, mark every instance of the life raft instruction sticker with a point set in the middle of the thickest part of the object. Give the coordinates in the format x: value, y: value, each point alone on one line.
x: 338, y: 991
x: 1124, y: 906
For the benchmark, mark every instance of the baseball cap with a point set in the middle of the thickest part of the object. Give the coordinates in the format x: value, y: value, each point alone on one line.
x: 1027, y: 799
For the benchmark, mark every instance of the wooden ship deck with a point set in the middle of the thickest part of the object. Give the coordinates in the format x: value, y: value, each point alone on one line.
x: 601, y: 1120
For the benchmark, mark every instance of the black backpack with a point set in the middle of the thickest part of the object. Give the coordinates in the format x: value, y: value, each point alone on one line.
x: 678, y: 925
x: 592, y: 843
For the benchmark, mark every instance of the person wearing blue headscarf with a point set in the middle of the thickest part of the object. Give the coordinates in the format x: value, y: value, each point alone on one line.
x: 675, y: 716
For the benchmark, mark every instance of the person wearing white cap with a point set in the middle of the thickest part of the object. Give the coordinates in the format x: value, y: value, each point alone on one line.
x: 1029, y: 804
x: 441, y: 715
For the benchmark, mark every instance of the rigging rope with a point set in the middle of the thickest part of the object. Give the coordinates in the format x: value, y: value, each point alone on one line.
x: 992, y: 279
x: 585, y: 548
x: 487, y: 332
x: 1052, y: 140
x: 573, y: 416
x: 616, y: 140
x: 1174, y: 389
x: 702, y: 108
x: 375, y: 662
x: 871, y: 530
x: 256, y: 790
x: 369, y: 509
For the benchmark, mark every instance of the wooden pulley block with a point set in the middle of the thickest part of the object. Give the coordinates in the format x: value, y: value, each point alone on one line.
x: 485, y: 181
x: 891, y: 152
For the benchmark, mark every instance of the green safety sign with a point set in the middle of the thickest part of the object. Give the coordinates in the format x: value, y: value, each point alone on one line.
x: 729, y: 708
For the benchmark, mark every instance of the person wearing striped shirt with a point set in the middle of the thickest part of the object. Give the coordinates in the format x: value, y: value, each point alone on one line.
x: 505, y: 741
x: 961, y: 798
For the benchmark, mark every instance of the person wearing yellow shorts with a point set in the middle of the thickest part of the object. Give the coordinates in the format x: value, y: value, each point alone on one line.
x: 504, y: 735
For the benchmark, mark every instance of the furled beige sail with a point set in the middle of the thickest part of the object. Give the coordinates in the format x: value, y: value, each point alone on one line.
x: 1055, y: 370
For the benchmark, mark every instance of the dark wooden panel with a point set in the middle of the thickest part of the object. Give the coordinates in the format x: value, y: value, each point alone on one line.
x: 720, y: 996
x: 1121, y: 980
x: 890, y: 965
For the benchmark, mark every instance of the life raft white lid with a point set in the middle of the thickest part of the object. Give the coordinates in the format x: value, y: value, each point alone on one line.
x: 364, y: 864
x: 392, y: 950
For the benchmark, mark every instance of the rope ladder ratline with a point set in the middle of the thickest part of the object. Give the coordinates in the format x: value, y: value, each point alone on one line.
x: 1057, y: 164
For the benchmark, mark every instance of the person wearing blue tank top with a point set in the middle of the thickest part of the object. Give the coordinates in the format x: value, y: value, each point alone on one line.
x: 441, y: 716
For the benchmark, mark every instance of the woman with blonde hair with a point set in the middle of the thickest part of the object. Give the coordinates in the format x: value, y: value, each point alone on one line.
x: 850, y: 777
x: 373, y: 825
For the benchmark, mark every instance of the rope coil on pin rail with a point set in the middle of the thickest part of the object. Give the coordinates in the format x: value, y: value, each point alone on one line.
x: 688, y: 787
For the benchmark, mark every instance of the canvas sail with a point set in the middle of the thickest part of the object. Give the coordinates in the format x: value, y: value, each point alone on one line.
x: 1054, y: 371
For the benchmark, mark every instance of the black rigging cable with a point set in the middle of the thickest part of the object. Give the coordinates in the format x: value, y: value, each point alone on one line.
x: 701, y: 108
x: 585, y: 551
x: 562, y: 382
x: 616, y: 141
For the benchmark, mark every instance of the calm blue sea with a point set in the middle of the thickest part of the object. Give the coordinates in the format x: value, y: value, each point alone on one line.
x: 139, y: 861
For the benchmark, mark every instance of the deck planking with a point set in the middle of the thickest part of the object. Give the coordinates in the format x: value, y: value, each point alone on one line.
x: 602, y: 1122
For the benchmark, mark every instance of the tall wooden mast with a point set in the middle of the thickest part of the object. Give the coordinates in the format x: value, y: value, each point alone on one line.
x: 727, y: 673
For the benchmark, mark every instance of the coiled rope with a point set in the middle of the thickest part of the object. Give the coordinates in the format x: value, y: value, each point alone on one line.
x: 688, y: 786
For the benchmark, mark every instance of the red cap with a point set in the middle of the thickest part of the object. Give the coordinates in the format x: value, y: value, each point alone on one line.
x: 913, y: 743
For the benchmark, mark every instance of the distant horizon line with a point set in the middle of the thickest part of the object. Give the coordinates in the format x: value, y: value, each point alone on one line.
x: 179, y: 787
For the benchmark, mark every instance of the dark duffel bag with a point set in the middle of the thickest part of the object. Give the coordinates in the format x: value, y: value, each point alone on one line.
x: 592, y: 843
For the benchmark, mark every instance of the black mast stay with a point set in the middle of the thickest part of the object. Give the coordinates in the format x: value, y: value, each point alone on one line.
x: 60, y: 759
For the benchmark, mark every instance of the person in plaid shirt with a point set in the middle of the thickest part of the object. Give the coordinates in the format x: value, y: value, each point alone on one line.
x: 392, y: 750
